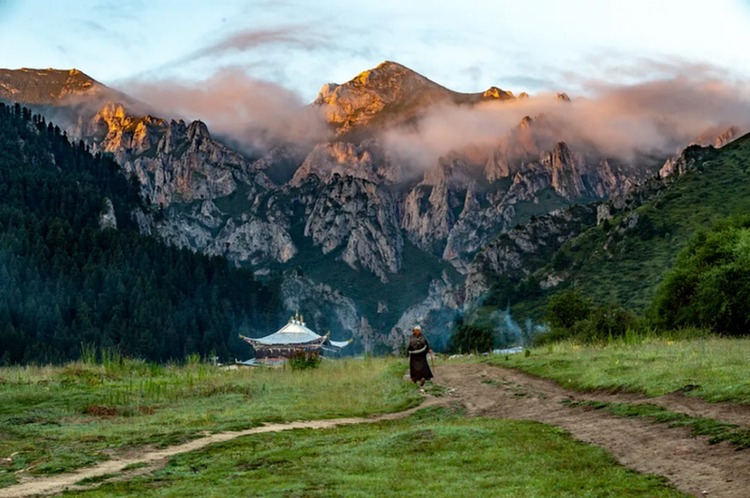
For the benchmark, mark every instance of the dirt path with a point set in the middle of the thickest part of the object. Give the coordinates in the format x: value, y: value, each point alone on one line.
x: 157, y: 458
x: 689, y: 463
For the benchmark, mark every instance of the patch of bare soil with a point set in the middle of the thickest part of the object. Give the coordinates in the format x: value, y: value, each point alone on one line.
x: 690, y: 463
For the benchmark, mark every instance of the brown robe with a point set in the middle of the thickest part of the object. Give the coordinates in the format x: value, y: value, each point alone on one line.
x: 419, y: 367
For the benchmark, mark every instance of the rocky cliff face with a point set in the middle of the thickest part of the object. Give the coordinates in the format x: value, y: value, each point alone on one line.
x: 173, y: 161
x: 436, y: 314
x: 718, y: 136
x: 351, y: 199
x: 526, y: 248
x: 48, y: 86
x: 354, y: 214
x: 368, y: 161
x: 715, y: 137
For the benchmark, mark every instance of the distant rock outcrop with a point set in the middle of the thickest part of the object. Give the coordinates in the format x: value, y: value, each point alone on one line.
x: 367, y: 160
x: 49, y: 86
x: 389, y: 95
x: 526, y: 248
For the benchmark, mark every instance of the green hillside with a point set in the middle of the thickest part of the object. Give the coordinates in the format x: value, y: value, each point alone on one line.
x: 623, y: 260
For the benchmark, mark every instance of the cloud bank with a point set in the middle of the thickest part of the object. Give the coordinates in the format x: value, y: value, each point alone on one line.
x: 254, y: 114
x: 657, y: 117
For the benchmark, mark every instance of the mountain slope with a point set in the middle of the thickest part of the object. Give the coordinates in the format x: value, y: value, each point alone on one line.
x: 623, y: 259
x: 48, y: 86
x: 75, y: 271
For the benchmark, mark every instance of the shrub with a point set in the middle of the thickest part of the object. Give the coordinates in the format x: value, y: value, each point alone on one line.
x: 571, y: 316
x: 469, y: 338
x: 709, y: 286
x: 604, y: 323
x: 565, y: 309
x: 302, y: 360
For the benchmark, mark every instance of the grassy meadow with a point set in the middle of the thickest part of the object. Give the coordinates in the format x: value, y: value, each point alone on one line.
x: 435, y: 452
x: 713, y: 368
x: 60, y: 418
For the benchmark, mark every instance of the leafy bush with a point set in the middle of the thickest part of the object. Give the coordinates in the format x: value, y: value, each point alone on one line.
x: 469, y: 338
x: 605, y: 323
x: 709, y: 286
x: 565, y: 309
x: 571, y: 316
x: 302, y: 360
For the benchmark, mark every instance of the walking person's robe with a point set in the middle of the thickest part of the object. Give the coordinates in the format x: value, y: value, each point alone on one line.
x: 419, y: 367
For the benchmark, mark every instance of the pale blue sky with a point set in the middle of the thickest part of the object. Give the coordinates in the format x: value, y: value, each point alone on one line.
x: 532, y: 45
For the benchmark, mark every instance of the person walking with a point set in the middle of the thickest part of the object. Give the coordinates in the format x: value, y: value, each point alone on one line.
x: 418, y: 348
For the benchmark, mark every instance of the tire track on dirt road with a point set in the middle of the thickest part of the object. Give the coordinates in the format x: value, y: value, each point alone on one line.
x: 690, y: 463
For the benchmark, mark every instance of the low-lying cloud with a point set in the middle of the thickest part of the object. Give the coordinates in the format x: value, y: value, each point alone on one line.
x: 655, y: 116
x: 614, y: 120
x: 254, y: 114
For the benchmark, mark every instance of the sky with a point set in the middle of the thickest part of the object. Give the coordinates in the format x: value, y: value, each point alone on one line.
x: 533, y: 45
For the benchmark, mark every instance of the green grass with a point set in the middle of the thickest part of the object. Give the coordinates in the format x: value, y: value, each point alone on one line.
x: 436, y: 452
x: 712, y: 368
x: 62, y: 418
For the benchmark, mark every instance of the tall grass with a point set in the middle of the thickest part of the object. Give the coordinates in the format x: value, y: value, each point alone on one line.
x: 713, y: 368
x: 110, y: 402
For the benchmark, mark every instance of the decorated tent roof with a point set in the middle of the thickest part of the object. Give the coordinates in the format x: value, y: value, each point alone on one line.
x: 339, y: 344
x: 295, y: 332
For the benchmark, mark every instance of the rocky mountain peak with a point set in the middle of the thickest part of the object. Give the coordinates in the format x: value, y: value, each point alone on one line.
x: 198, y: 130
x: 388, y: 95
x: 565, y: 169
x: 111, y: 112
x: 563, y: 97
x: 47, y: 86
x: 521, y: 144
x: 730, y: 135
x: 525, y: 123
x: 718, y: 136
x: 494, y: 92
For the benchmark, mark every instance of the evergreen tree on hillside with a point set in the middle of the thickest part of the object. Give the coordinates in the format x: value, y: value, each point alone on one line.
x: 66, y: 282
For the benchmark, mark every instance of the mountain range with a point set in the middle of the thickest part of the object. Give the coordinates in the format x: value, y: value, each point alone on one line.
x: 359, y: 237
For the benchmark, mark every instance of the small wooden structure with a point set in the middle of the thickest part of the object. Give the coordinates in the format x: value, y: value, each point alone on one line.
x: 294, y: 336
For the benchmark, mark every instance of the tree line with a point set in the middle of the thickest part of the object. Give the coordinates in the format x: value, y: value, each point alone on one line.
x: 65, y: 282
